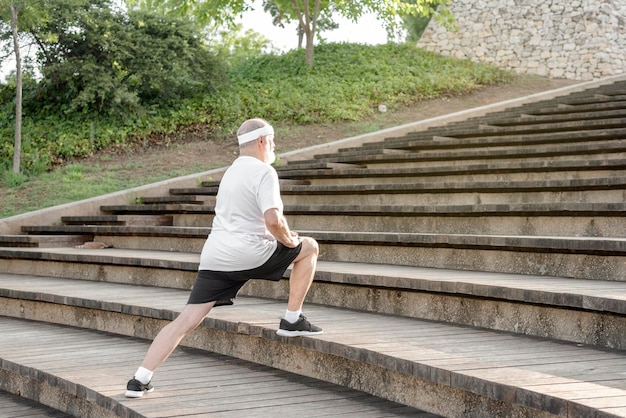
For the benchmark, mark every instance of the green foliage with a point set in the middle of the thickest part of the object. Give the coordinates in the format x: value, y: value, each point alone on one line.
x: 312, y: 16
x: 106, y: 63
x: 348, y: 83
x: 233, y: 46
x: 415, y: 26
x: 12, y: 179
x: 387, y: 11
x: 30, y: 13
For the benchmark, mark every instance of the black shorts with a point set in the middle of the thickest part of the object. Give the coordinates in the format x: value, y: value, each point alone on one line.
x: 222, y: 286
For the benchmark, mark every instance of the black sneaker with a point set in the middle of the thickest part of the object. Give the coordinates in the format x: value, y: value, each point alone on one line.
x: 300, y: 328
x: 136, y: 389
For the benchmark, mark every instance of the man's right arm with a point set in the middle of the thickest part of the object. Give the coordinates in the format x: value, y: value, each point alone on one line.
x: 276, y: 223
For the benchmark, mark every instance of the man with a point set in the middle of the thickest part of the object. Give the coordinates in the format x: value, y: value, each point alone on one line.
x: 249, y: 239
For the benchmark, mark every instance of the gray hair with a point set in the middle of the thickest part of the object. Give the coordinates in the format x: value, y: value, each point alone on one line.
x: 250, y: 125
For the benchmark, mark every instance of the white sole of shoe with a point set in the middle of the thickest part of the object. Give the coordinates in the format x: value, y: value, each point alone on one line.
x: 137, y: 393
x: 286, y: 333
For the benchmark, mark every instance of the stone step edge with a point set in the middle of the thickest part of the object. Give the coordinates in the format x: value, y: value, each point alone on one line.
x: 581, y: 245
x: 516, y: 186
x: 494, y: 168
x: 62, y: 237
x: 591, y: 295
x: 528, y: 118
x: 353, y: 354
x: 149, y: 219
x: 122, y: 230
x: 502, y: 121
x: 572, y: 209
x: 478, y: 139
x: 375, y: 157
x: 58, y: 393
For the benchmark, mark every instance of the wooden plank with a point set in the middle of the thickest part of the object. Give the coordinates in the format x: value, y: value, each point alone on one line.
x: 191, y: 382
x: 13, y: 406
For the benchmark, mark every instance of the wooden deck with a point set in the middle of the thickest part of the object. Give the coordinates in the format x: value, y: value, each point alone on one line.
x: 13, y: 406
x: 192, y: 383
x: 555, y: 376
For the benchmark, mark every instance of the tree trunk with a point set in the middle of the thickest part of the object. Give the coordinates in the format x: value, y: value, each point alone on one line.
x: 300, y: 35
x: 308, y: 23
x: 17, y: 148
x: 308, y: 52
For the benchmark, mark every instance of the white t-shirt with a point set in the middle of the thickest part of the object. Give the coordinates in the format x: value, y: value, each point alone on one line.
x: 239, y: 239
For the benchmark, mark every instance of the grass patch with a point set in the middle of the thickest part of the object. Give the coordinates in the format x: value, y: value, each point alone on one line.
x: 77, y: 182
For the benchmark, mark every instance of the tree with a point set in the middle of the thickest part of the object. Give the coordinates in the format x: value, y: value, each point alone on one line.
x: 232, y: 46
x: 308, y: 13
x: 97, y: 60
x: 17, y: 148
x: 27, y: 12
x: 325, y: 20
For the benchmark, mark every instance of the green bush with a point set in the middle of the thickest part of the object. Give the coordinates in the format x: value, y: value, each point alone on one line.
x: 102, y: 62
x: 347, y: 83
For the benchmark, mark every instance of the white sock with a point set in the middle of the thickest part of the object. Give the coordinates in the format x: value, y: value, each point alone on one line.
x: 292, y: 316
x: 144, y: 375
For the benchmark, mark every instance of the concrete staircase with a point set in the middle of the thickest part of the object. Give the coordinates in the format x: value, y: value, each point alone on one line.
x: 472, y: 268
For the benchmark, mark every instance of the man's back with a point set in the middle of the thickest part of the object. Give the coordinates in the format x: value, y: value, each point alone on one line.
x: 239, y: 239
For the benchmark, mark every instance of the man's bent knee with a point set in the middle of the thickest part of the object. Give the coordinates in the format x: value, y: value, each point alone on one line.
x: 310, y: 246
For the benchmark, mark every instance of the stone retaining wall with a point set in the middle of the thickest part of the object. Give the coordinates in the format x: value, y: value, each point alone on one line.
x: 573, y: 39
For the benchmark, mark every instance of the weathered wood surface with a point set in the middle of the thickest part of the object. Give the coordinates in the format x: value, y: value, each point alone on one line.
x: 191, y: 383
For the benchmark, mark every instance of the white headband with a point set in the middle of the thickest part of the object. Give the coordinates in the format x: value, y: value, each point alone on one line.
x: 252, y: 135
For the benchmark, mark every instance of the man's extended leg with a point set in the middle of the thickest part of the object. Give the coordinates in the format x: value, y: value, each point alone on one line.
x: 164, y: 344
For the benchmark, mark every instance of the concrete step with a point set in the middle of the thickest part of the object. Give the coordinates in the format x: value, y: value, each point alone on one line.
x: 48, y: 240
x: 607, y: 190
x: 572, y: 256
x: 154, y: 220
x: 575, y: 105
x: 189, y: 200
x: 593, y: 220
x: 581, y: 99
x: 616, y: 183
x: 609, y: 103
x: 166, y: 238
x: 514, y: 220
x: 578, y: 310
x: 492, y: 171
x: 541, y: 133
x: 559, y: 219
x: 492, y: 141
x: 91, y: 382
x: 494, y: 136
x: 577, y: 257
x: 399, y: 159
x: 609, y: 245
x: 531, y: 119
x: 454, y: 370
x: 168, y: 210
x: 560, y: 108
